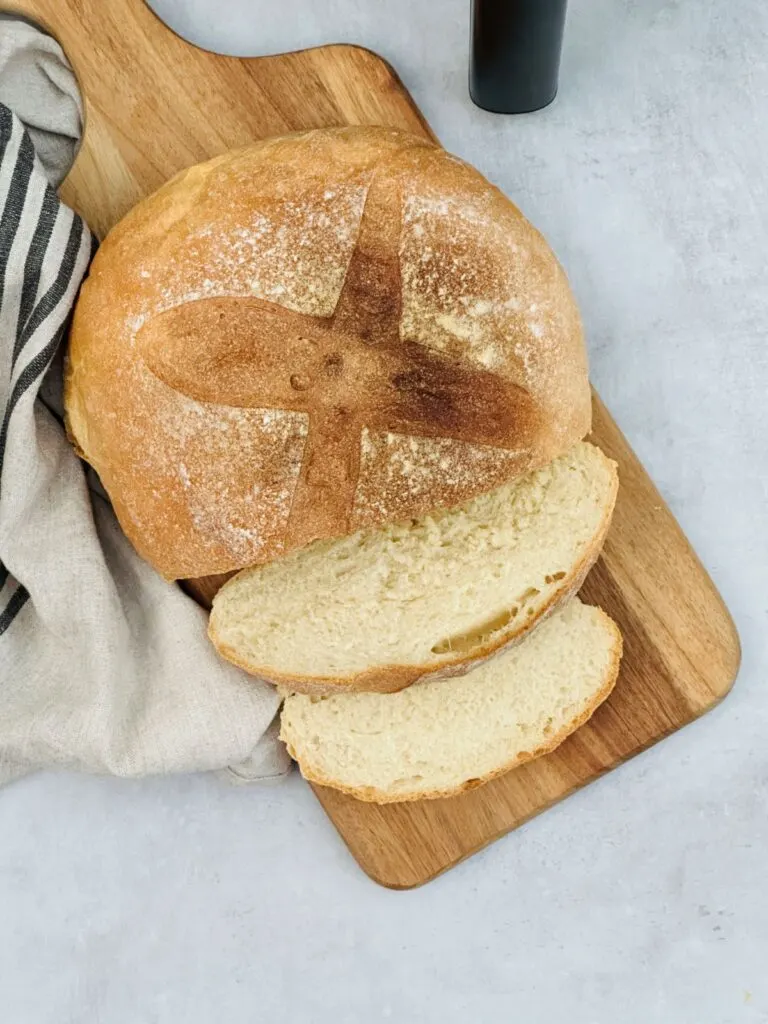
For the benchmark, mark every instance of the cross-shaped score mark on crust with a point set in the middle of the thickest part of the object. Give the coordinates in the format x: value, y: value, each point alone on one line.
x: 347, y: 372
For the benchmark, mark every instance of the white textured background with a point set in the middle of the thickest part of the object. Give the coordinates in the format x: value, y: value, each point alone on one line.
x: 644, y: 898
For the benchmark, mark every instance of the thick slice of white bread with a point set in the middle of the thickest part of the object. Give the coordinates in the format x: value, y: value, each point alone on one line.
x: 380, y: 610
x: 440, y: 738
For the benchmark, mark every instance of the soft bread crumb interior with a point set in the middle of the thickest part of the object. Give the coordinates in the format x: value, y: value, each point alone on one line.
x: 435, y: 737
x: 422, y: 592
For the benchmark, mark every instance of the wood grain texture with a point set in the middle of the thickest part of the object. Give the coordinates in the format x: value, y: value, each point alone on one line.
x: 155, y: 104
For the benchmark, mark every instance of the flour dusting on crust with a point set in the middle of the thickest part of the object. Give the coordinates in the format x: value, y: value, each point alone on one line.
x: 399, y: 473
x: 203, y: 487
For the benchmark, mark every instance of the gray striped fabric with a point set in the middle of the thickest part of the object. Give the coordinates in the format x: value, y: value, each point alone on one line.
x: 104, y: 667
x: 44, y: 252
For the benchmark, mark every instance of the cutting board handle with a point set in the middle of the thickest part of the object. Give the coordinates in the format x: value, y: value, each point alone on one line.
x: 155, y: 103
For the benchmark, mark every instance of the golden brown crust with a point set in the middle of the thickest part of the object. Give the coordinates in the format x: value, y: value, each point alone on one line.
x: 391, y: 678
x: 317, y: 334
x: 372, y: 795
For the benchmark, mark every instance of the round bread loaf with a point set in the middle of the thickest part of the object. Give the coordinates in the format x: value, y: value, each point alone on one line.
x: 314, y: 335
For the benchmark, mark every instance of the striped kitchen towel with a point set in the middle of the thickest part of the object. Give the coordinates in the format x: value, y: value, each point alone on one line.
x: 104, y: 667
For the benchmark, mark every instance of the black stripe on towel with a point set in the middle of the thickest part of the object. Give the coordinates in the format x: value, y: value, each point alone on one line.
x: 18, y: 599
x: 6, y: 129
x: 38, y: 247
x: 54, y: 295
x: 14, y: 204
x: 34, y: 369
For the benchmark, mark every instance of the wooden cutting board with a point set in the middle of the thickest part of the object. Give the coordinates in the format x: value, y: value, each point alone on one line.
x: 154, y: 105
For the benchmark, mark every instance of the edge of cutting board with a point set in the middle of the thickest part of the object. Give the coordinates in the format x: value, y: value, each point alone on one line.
x: 357, y: 47
x: 681, y: 646
x: 91, y: 34
x: 406, y: 884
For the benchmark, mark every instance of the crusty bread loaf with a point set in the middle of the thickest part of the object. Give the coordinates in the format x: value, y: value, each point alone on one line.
x: 314, y: 335
x: 382, y: 609
x: 439, y: 739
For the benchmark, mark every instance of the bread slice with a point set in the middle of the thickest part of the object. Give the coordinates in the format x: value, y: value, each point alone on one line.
x: 380, y: 610
x: 439, y: 739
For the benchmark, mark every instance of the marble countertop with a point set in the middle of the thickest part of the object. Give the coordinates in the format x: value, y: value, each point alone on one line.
x: 642, y: 899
